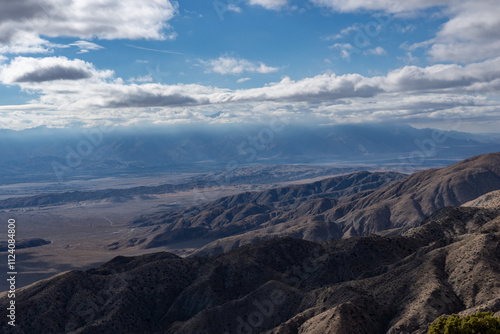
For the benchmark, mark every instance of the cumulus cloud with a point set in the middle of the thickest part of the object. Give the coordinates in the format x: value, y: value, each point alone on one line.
x: 28, y: 42
x: 443, y: 77
x: 22, y: 22
x: 410, y: 93
x: 326, y: 87
x: 53, y: 73
x: 230, y: 65
x: 29, y: 72
x: 470, y: 34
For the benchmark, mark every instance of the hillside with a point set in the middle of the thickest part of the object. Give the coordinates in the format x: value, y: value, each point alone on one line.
x: 490, y: 200
x: 347, y: 206
x: 234, y: 215
x: 371, y: 284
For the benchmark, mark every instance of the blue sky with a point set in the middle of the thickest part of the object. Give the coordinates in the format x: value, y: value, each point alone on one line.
x: 86, y: 62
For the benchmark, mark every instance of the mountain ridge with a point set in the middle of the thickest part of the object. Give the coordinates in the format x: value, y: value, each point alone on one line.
x: 395, y: 206
x: 369, y: 284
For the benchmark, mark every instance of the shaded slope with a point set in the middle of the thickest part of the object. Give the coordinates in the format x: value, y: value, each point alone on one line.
x: 234, y: 215
x: 490, y: 200
x: 351, y: 205
x: 370, y: 284
x: 405, y: 203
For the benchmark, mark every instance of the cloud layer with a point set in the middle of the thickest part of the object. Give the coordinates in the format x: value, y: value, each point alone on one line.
x: 69, y: 91
x: 410, y: 93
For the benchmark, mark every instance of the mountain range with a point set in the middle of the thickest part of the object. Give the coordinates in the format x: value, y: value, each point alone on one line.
x: 340, y: 207
x: 367, y: 252
x: 59, y: 155
x: 370, y: 284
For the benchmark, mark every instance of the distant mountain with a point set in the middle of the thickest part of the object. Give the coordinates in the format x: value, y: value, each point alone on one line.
x: 254, y: 176
x: 369, y: 285
x: 115, y: 195
x: 346, y: 206
x: 64, y: 154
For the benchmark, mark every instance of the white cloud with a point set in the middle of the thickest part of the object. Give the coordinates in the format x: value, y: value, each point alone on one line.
x: 356, y: 28
x: 233, y: 8
x: 378, y: 51
x: 34, y: 73
x: 144, y: 78
x: 230, y: 65
x: 391, y: 6
x: 470, y: 34
x: 49, y: 75
x: 443, y: 77
x: 23, y: 22
x: 345, y: 49
x: 86, y: 46
x: 27, y: 42
x: 269, y: 4
x: 346, y: 31
x: 74, y: 90
x: 325, y: 87
x: 240, y: 80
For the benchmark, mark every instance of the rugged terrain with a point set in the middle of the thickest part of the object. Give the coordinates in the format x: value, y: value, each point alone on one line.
x: 436, y: 251
x: 369, y: 284
x: 81, y: 218
x: 251, y: 211
x: 345, y: 206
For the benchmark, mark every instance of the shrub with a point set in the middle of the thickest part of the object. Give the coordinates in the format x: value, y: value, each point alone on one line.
x: 479, y: 323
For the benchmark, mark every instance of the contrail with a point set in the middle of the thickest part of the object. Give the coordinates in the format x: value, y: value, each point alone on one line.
x: 155, y: 50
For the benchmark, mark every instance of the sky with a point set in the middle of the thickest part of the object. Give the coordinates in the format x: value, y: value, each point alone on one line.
x: 74, y: 63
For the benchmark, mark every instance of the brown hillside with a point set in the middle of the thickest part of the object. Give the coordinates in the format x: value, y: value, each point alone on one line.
x: 370, y: 284
x: 348, y: 206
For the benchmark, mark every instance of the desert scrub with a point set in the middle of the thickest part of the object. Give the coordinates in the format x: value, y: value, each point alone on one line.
x: 479, y: 323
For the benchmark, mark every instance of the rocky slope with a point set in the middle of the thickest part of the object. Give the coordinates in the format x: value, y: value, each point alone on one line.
x: 251, y: 211
x: 370, y: 284
x: 347, y: 206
